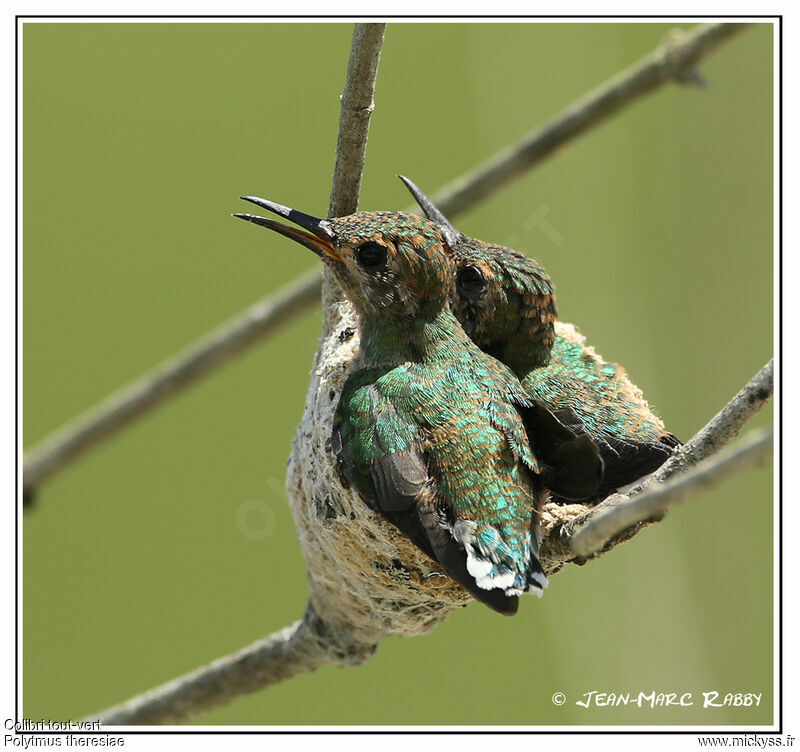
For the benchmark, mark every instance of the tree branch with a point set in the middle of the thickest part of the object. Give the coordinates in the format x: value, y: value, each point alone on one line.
x: 674, y: 61
x: 168, y: 379
x: 351, y: 148
x: 670, y: 62
x: 724, y: 426
x: 354, y: 116
x: 304, y: 646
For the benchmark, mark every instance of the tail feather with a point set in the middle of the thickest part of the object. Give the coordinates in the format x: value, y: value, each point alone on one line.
x: 493, y: 566
x: 537, y: 580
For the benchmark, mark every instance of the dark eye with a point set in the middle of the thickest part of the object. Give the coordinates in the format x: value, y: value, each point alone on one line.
x: 471, y: 282
x: 371, y: 256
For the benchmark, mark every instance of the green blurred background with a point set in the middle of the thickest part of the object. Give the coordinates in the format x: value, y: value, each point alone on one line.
x: 145, y: 559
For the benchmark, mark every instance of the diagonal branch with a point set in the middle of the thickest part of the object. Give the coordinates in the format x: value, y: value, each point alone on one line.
x: 266, y: 661
x: 670, y: 62
x: 304, y: 646
x: 674, y: 61
x: 168, y: 379
x: 724, y: 426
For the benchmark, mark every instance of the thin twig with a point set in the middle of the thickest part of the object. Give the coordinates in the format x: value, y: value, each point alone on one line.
x: 674, y: 61
x: 304, y: 646
x: 654, y: 503
x: 351, y: 148
x: 266, y: 661
x: 354, y: 117
x: 669, y: 62
x: 169, y: 378
x: 724, y: 426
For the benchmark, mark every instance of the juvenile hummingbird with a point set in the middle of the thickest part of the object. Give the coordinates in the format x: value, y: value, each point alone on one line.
x: 506, y: 303
x: 432, y: 432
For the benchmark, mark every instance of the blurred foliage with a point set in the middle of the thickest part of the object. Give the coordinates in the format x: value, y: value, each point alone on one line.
x: 173, y: 544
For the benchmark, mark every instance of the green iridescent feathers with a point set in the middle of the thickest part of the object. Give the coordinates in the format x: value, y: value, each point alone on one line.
x: 436, y: 435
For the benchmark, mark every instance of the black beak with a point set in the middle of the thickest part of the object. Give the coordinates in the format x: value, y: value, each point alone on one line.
x: 451, y: 235
x: 318, y: 239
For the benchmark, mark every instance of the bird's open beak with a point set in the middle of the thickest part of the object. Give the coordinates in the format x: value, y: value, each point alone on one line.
x: 319, y: 237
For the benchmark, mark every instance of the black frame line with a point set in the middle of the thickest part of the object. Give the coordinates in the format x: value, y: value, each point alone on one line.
x: 778, y: 19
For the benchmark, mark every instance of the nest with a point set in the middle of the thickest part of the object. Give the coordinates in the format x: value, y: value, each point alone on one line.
x: 368, y: 581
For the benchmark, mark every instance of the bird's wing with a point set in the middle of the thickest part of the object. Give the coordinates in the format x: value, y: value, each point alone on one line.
x: 624, y: 460
x: 574, y: 468
x: 602, y: 394
x: 379, y: 454
x: 568, y: 463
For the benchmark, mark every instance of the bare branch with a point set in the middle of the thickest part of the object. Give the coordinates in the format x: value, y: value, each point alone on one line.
x: 724, y: 426
x: 302, y: 647
x: 354, y: 116
x: 654, y: 503
x: 669, y: 62
x: 672, y: 62
x: 169, y: 378
x: 351, y: 148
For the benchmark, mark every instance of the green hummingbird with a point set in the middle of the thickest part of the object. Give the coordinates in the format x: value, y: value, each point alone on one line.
x: 506, y: 303
x: 433, y: 433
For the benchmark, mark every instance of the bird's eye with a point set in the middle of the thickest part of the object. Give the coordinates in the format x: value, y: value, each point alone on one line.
x: 371, y: 256
x: 470, y: 282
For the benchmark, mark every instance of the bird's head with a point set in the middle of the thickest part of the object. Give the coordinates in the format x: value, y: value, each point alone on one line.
x: 504, y: 300
x: 390, y: 264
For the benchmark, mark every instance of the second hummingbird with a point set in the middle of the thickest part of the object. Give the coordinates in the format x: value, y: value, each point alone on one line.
x: 506, y: 303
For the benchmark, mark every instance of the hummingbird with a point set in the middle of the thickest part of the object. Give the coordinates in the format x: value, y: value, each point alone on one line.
x: 433, y: 433
x: 506, y: 303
